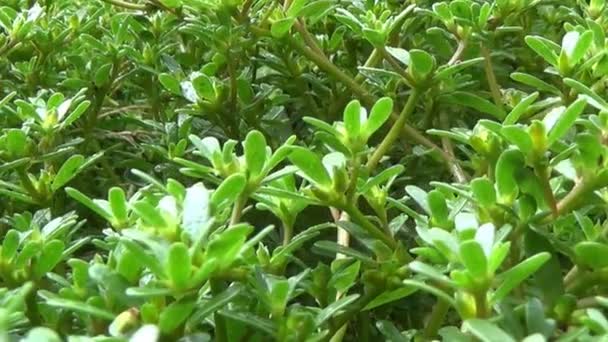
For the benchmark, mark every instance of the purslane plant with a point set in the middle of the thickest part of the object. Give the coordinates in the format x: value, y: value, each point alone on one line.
x: 300, y: 170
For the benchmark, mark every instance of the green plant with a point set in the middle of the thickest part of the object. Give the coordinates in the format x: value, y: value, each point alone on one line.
x: 303, y: 170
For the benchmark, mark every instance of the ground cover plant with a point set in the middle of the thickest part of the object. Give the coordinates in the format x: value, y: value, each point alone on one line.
x: 303, y: 170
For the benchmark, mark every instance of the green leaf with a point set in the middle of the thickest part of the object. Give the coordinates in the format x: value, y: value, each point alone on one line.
x: 178, y: 265
x: 438, y: 206
x: 520, y: 272
x: 118, y: 203
x: 594, y: 99
x: 592, y: 254
x: 217, y: 302
x: 346, y: 277
x: 67, y: 171
x: 310, y: 164
x: 171, y: 3
x: 486, y: 331
x: 352, y: 119
x: 544, y: 48
x: 476, y: 102
x: 483, y: 191
x: 566, y: 121
x: 255, y: 152
x: 226, y: 246
x: 418, y: 195
x: 333, y: 308
x: 280, y: 27
x: 81, y: 307
x: 203, y: 85
x: 575, y: 45
x: 10, y: 245
x: 390, y: 332
x: 390, y: 296
x: 549, y: 278
x: 508, y: 163
x: 380, y: 112
x: 229, y: 190
x: 535, y: 82
x: 518, y: 136
x: 320, y: 124
x: 149, y: 215
x: 430, y: 289
x: 49, y: 258
x: 295, y: 8
x: 474, y: 259
x: 520, y: 109
x: 89, y: 203
x: 102, y: 75
x: 16, y: 142
x: 430, y: 272
x: 170, y: 83
x: 445, y: 72
x: 421, y: 64
x: 400, y: 54
x: 174, y: 315
x: 76, y: 113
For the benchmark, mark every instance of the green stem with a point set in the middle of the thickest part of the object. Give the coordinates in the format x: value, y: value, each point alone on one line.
x: 358, y: 90
x: 542, y: 171
x: 481, y: 305
x: 126, y: 5
x: 369, y: 227
x: 440, y: 309
x: 27, y: 184
x: 343, y: 319
x: 237, y: 210
x: 459, y: 174
x: 287, y: 233
x: 8, y: 46
x: 491, y: 77
x: 221, y: 333
x: 394, y: 132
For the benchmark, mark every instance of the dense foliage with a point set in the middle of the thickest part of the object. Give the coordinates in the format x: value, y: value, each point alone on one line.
x: 303, y: 170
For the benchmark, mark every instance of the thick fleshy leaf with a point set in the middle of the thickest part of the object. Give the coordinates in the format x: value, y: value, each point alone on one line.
x: 563, y: 124
x: 592, y: 254
x: 544, y: 47
x: 474, y: 259
x: 352, y: 118
x: 68, y: 170
x: 255, y: 152
x: 520, y: 109
x: 520, y: 272
x: 311, y: 166
x: 486, y: 331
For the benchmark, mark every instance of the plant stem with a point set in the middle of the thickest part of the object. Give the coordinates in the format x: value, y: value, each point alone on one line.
x: 395, y: 64
x: 341, y: 320
x: 237, y: 210
x: 11, y: 43
x: 491, y: 77
x: 440, y: 309
x: 393, y: 133
x: 542, y: 171
x: 126, y: 5
x: 308, y: 38
x: 369, y: 227
x: 458, y: 53
x: 287, y: 233
x: 27, y: 184
x: 458, y: 173
x: 481, y: 305
x: 221, y: 333
x: 359, y: 91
